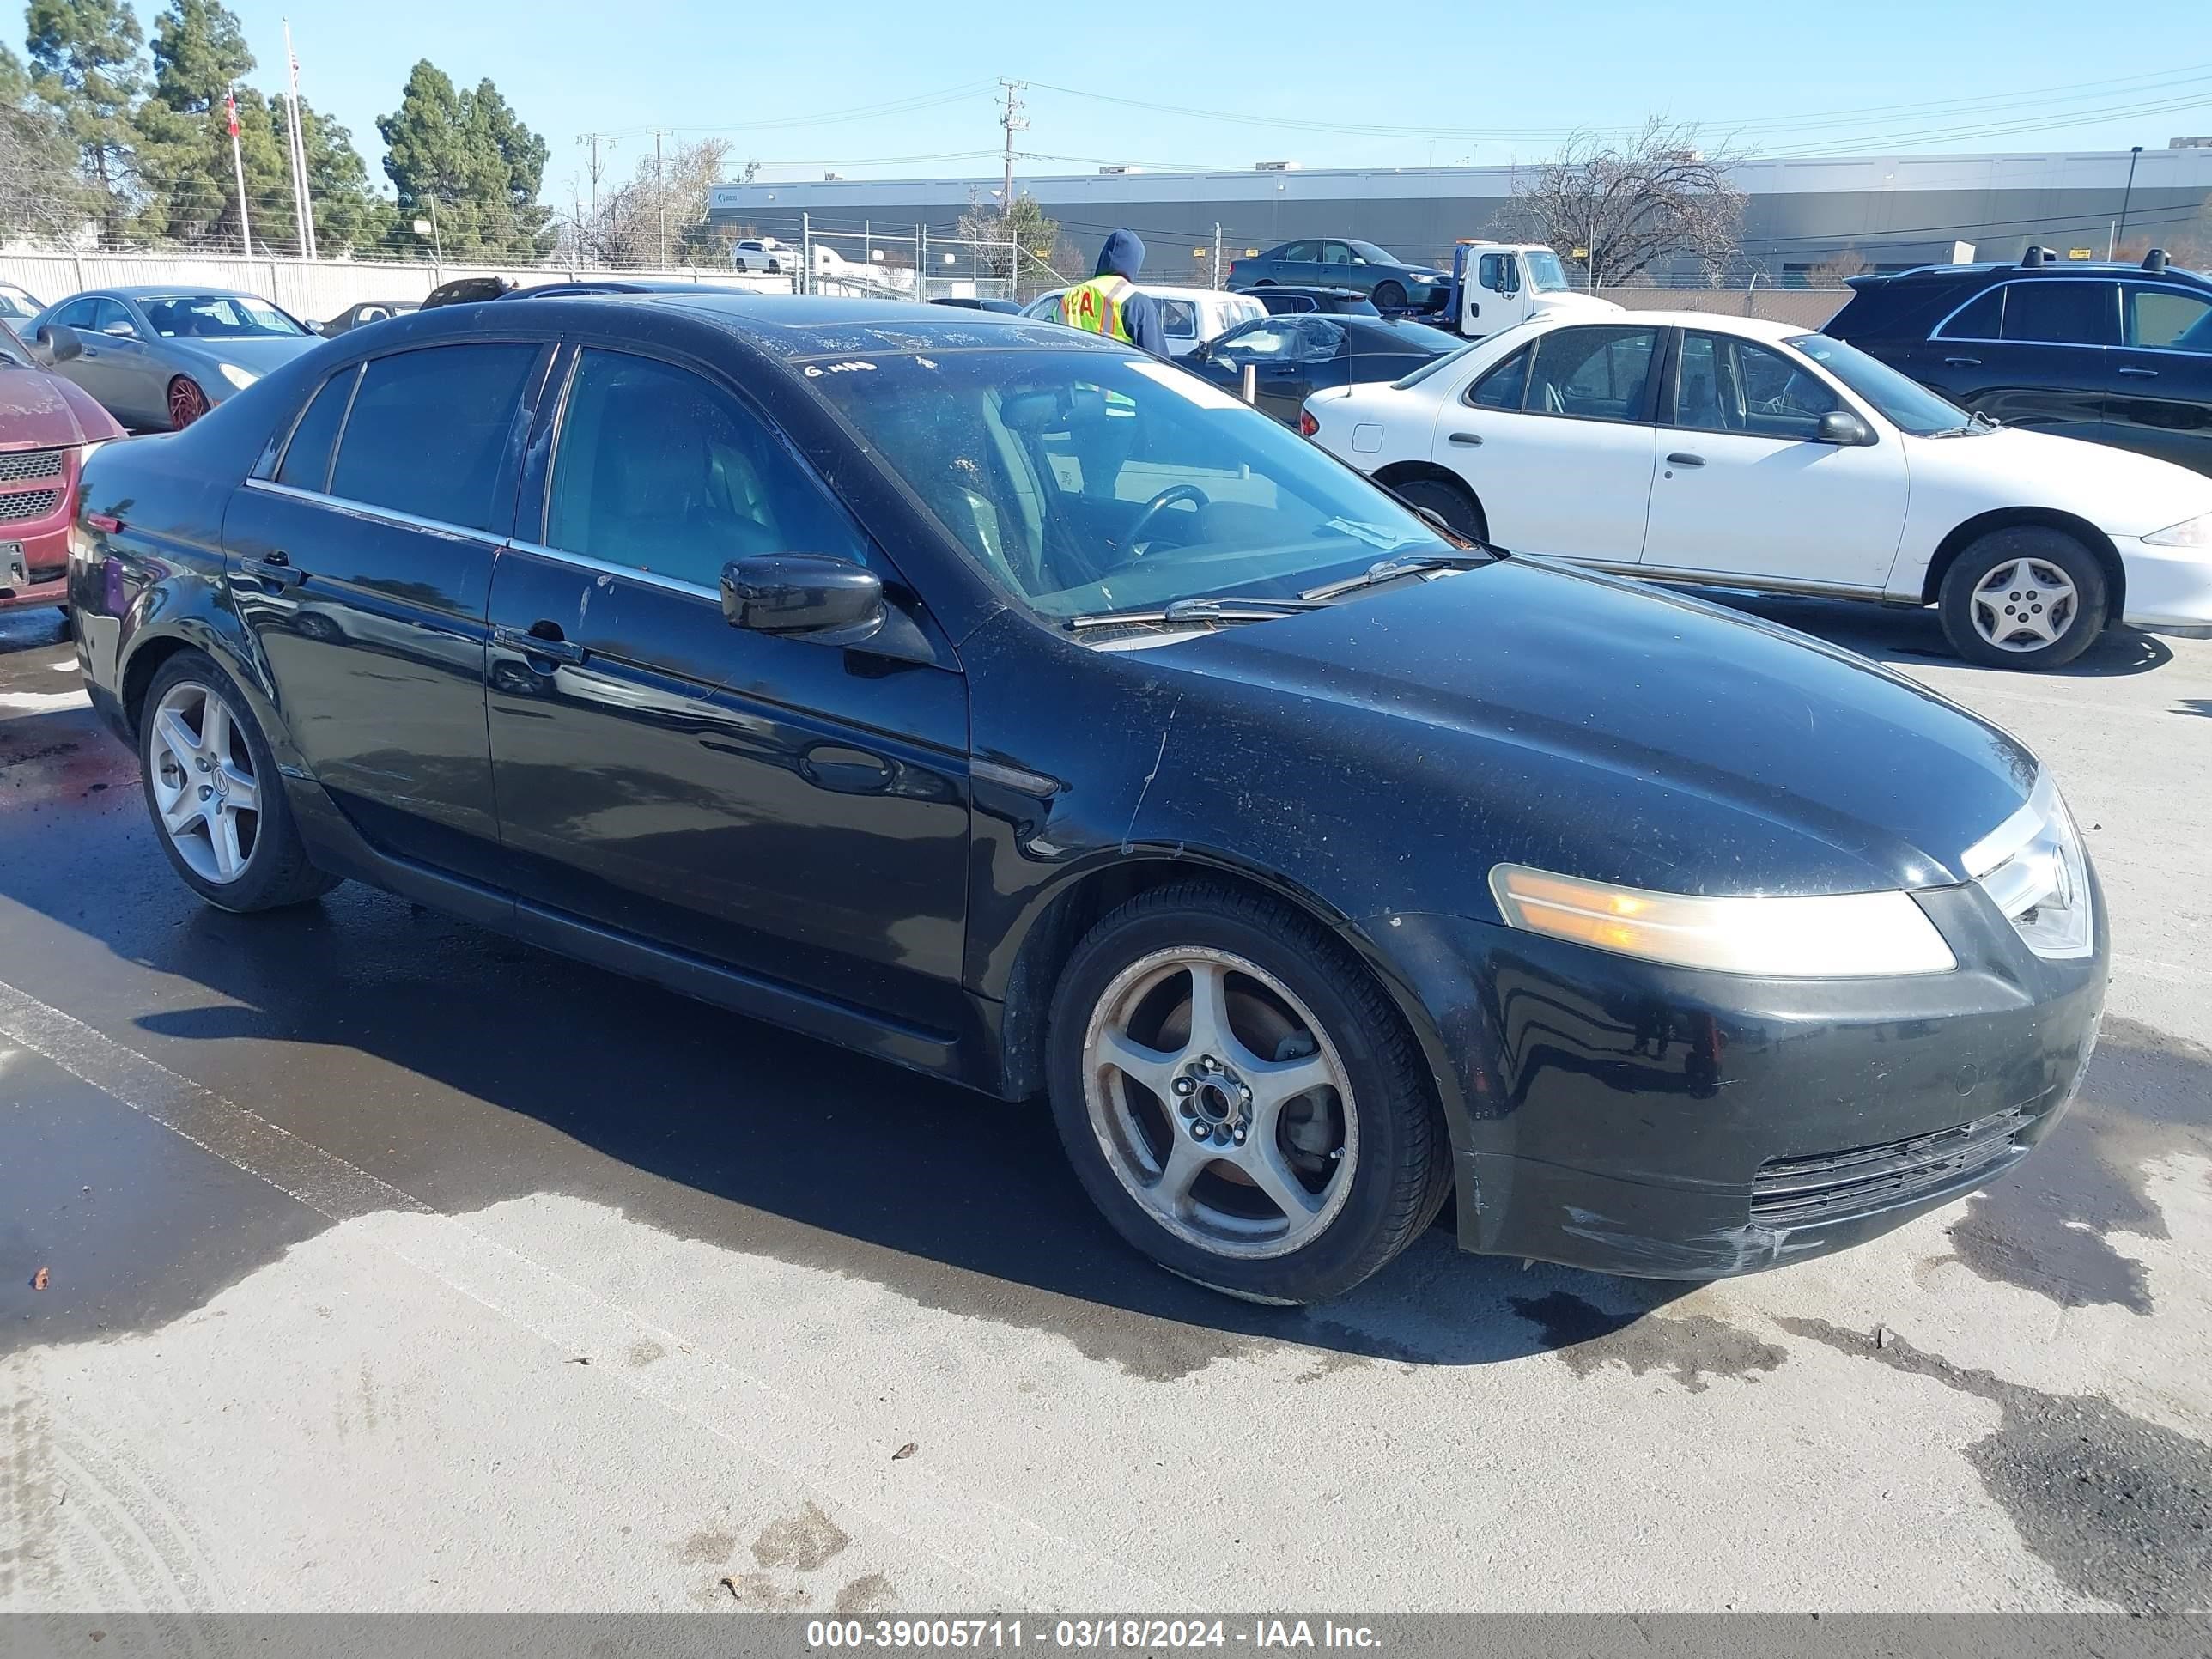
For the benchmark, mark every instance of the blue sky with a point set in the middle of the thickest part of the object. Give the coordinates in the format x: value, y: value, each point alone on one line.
x: 1496, y: 83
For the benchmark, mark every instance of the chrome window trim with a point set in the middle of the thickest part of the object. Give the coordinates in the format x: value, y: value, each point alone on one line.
x: 1938, y: 336
x: 626, y: 572
x: 374, y: 513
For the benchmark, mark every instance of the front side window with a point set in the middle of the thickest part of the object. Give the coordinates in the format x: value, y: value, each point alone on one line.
x: 1728, y: 385
x: 2166, y: 320
x: 1318, y: 342
x: 217, y: 316
x: 109, y: 317
x: 1086, y: 481
x: 1335, y: 253
x: 1593, y: 373
x: 660, y: 470
x: 2059, y: 313
x: 427, y: 434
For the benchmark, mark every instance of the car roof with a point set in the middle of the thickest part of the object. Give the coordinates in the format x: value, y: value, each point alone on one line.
x: 168, y: 291
x: 1713, y: 322
x: 2050, y: 268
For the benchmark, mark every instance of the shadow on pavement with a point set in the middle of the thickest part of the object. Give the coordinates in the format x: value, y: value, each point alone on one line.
x: 1884, y: 631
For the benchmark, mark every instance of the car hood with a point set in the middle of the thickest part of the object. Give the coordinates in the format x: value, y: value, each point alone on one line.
x: 1535, y: 713
x: 260, y: 355
x: 44, y: 412
x: 1575, y: 305
x: 2122, y: 493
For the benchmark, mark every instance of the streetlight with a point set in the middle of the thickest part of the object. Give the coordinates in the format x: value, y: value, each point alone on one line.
x: 2122, y: 235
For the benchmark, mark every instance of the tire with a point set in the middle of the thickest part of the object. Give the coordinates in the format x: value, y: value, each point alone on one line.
x: 1286, y: 983
x: 1454, y: 502
x: 1997, y: 622
x: 186, y: 402
x: 273, y: 869
x: 1389, y: 296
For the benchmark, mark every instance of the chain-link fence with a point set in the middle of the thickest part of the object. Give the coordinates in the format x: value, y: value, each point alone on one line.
x: 913, y: 263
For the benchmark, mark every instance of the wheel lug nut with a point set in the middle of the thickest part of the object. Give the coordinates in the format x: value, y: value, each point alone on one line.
x: 1183, y: 1085
x: 1211, y: 1063
x: 1198, y: 1132
x: 1238, y: 1137
x: 206, y: 793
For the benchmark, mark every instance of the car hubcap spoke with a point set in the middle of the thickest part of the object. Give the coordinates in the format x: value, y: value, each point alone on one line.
x: 1244, y: 1155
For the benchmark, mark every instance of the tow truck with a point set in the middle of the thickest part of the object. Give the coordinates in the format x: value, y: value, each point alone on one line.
x: 1495, y: 285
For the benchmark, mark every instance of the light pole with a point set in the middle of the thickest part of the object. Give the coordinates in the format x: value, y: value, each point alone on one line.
x: 2135, y: 151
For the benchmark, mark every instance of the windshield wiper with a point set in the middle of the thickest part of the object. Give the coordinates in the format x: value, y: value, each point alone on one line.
x: 1195, y: 609
x: 1388, y: 571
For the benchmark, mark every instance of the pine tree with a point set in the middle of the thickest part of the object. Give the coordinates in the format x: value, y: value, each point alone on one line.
x: 466, y: 155
x: 88, y: 64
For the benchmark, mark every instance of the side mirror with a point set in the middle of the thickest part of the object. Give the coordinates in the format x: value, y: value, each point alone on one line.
x: 1840, y: 426
x: 834, y: 600
x: 58, y: 342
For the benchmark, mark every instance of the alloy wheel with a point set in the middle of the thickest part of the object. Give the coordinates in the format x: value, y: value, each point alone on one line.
x: 2024, y: 605
x: 1220, y: 1104
x: 205, y: 788
x: 187, y: 403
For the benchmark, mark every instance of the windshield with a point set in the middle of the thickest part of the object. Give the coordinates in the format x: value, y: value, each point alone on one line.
x: 1086, y: 481
x: 1545, y: 274
x: 15, y: 304
x: 216, y: 317
x: 1906, y: 403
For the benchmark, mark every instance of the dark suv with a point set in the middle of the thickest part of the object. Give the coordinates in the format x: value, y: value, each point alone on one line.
x: 2119, y: 353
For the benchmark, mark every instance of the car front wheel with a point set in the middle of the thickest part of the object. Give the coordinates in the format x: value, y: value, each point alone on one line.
x: 213, y: 790
x: 187, y: 403
x: 1239, y: 1098
x: 2026, y: 597
x: 1389, y: 296
x: 1454, y: 503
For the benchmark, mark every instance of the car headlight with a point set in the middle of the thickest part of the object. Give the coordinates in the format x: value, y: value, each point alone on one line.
x: 1830, y: 936
x: 2034, y: 869
x: 2190, y: 532
x: 240, y: 378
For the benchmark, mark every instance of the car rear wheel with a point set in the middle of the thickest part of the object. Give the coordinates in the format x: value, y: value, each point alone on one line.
x: 1388, y: 295
x: 2026, y: 597
x: 1239, y: 1098
x: 1454, y: 503
x: 213, y: 791
x: 187, y: 403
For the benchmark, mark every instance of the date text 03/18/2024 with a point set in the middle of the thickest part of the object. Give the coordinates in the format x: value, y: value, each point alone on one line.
x: 1088, y: 1635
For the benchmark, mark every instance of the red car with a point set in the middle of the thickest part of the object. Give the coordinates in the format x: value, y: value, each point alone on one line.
x: 47, y: 424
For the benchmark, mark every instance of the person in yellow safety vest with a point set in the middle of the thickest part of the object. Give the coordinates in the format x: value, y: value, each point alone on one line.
x: 1110, y: 302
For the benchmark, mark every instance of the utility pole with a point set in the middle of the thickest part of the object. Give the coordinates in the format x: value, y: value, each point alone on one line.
x: 2121, y: 235
x: 296, y: 151
x: 1013, y: 121
x: 593, y: 139
x: 1217, y: 278
x: 661, y: 197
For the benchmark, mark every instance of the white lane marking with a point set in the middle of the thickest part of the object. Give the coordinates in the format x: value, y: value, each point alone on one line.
x: 66, y: 666
x: 969, y: 1531
x: 42, y: 702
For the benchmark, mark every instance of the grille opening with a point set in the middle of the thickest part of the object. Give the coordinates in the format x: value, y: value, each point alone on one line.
x: 28, y: 504
x: 1829, y: 1186
x: 24, y: 464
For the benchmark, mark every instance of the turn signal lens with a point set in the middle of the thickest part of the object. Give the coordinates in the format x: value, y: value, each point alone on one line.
x: 2190, y: 532
x: 1839, y: 936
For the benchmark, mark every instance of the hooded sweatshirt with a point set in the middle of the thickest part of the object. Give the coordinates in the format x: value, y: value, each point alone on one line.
x: 1123, y: 256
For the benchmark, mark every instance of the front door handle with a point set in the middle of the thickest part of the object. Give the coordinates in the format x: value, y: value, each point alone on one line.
x: 2140, y: 374
x: 1467, y: 439
x: 275, y: 569
x: 1963, y: 363
x: 1683, y: 457
x: 543, y: 638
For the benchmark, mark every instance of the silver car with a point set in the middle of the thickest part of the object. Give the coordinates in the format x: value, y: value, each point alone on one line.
x: 163, y: 357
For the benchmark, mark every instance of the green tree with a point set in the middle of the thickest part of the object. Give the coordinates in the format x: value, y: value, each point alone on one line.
x: 465, y: 158
x: 199, y: 53
x: 88, y: 64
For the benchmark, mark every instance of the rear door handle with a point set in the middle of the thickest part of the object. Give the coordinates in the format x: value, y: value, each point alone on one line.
x: 1963, y: 363
x: 1467, y: 439
x: 541, y: 639
x: 275, y: 569
x: 1683, y: 457
x: 2140, y: 374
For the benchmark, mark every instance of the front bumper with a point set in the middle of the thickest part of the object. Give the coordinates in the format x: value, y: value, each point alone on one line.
x: 1612, y: 1115
x: 2169, y: 588
x: 35, y: 562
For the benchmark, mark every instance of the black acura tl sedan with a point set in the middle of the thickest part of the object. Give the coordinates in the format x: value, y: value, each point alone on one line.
x: 1013, y: 707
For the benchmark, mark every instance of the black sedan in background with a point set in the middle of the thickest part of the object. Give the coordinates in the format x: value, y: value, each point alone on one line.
x: 1342, y: 261
x: 1014, y: 707
x: 368, y: 311
x: 1293, y: 357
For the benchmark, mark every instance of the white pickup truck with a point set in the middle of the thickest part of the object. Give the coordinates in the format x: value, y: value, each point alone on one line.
x: 1497, y: 284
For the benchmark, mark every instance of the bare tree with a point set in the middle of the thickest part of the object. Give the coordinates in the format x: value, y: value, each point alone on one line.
x: 1840, y: 266
x: 44, y: 198
x: 1617, y: 208
x: 1000, y: 232
x: 662, y: 206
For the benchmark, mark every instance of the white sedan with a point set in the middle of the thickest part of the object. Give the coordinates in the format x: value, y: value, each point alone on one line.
x: 1727, y: 451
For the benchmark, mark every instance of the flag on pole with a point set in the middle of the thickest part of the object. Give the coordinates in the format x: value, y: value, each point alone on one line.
x: 230, y: 111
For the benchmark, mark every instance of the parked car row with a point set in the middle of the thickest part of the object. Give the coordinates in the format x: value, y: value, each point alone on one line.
x: 1011, y: 707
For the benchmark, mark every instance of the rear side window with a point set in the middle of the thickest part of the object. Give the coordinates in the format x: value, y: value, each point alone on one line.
x: 2060, y: 314
x: 307, y: 464
x: 1593, y: 373
x: 1502, y: 388
x: 429, y: 431
x: 1982, y: 318
x: 1178, y: 318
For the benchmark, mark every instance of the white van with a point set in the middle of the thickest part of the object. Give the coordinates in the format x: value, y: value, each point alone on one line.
x: 1189, y: 316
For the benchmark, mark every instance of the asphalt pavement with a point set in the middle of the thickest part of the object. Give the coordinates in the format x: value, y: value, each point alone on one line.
x: 387, y: 1265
